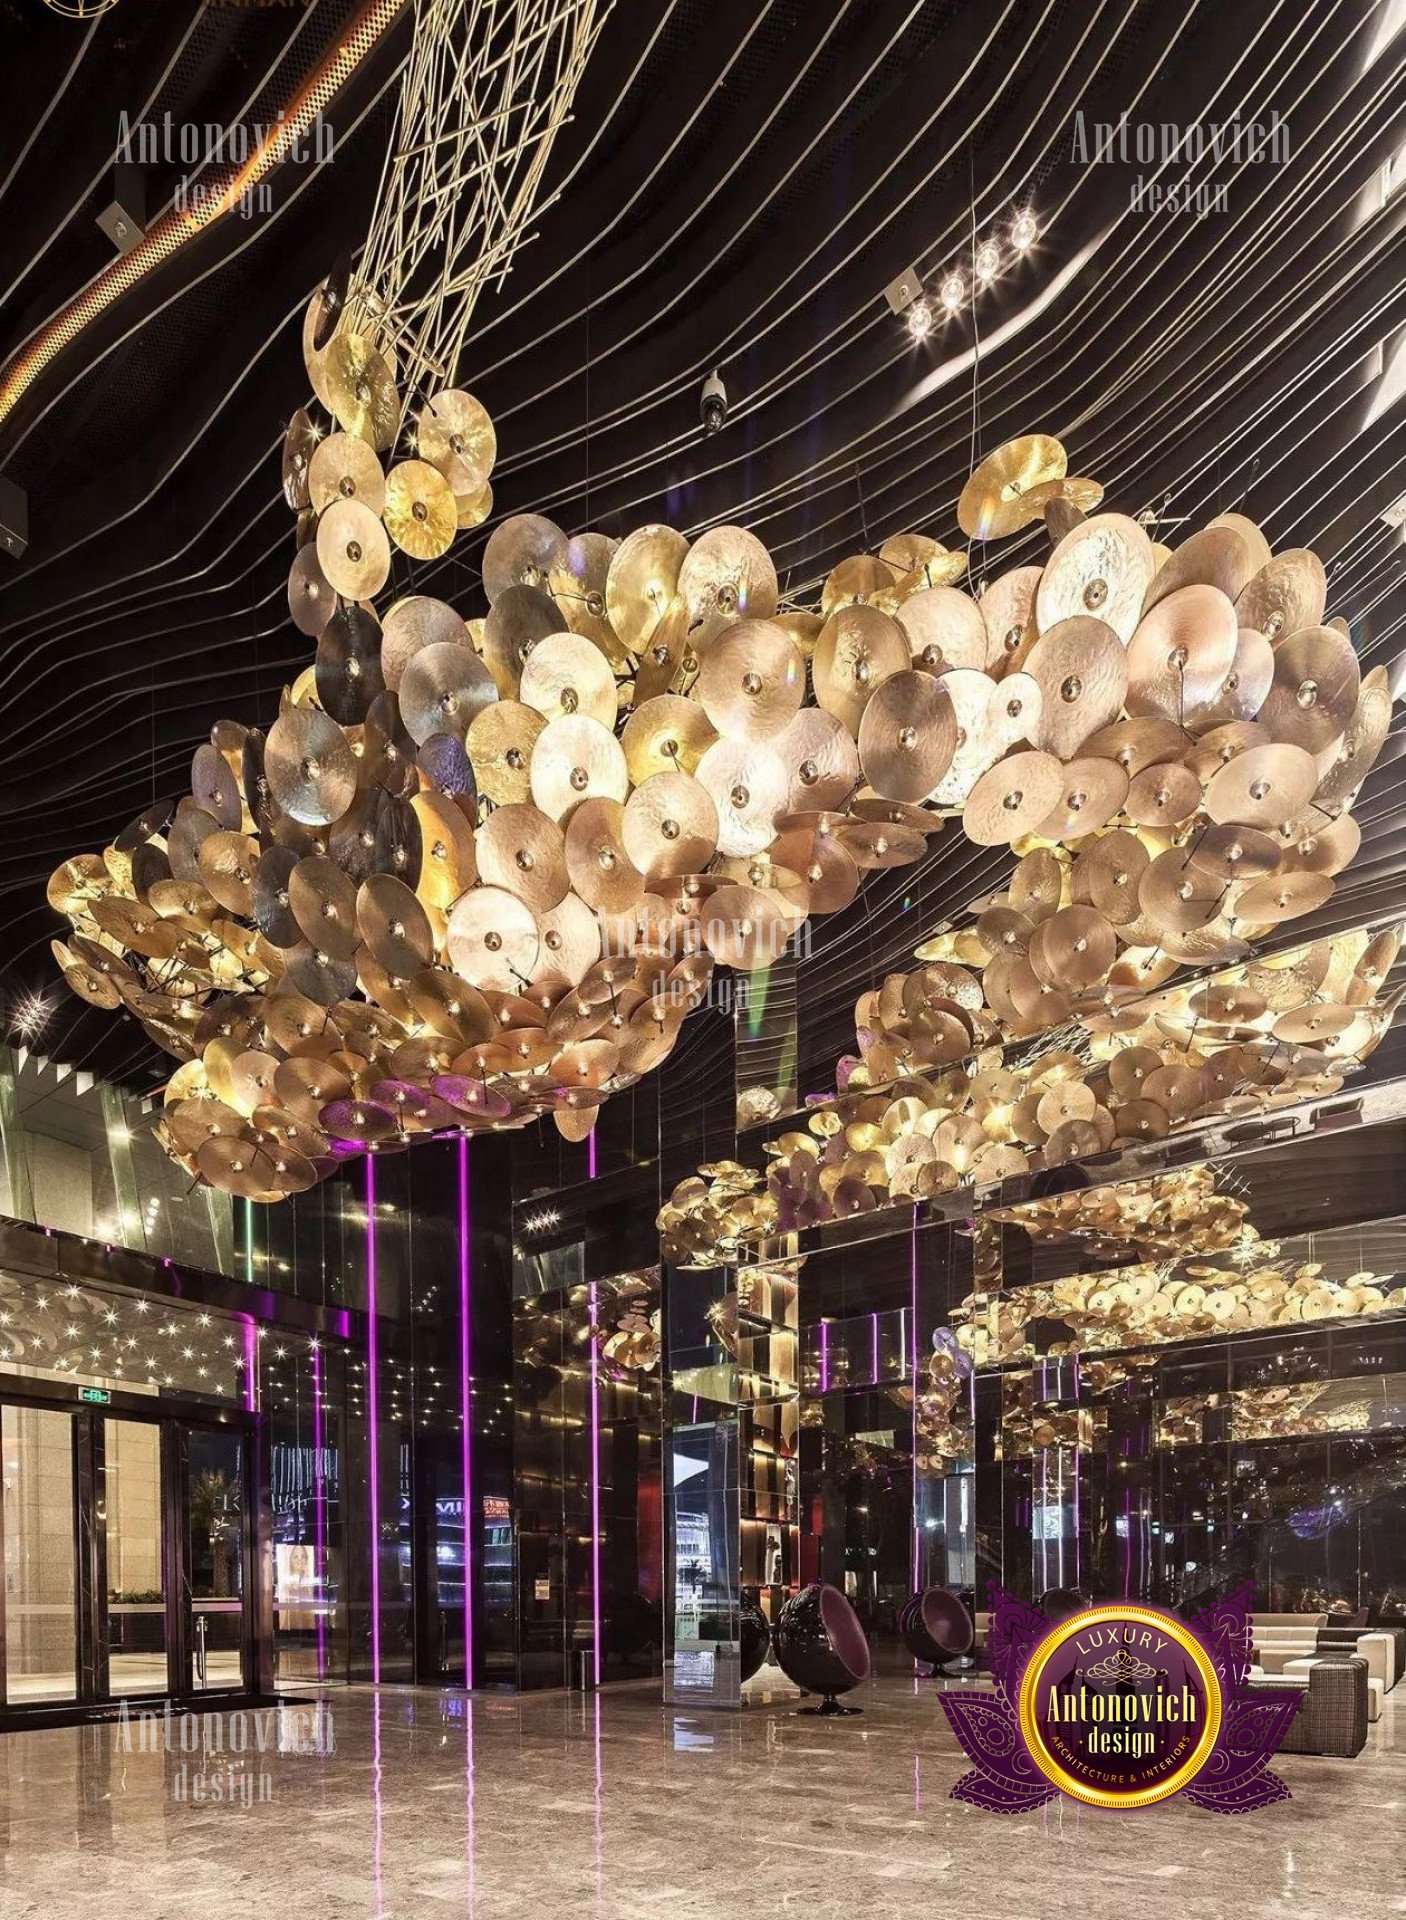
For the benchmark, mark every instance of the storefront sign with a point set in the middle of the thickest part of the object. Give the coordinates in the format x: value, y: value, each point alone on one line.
x: 1121, y: 1706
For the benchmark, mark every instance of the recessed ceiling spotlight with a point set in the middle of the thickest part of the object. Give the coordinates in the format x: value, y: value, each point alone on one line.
x: 953, y: 290
x: 920, y: 319
x: 1025, y: 230
x: 986, y: 262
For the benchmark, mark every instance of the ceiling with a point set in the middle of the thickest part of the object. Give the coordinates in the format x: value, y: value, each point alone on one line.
x: 739, y: 182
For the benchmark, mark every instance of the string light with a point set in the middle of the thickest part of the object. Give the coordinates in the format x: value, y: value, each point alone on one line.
x: 986, y: 262
x: 31, y: 1015
x: 920, y: 319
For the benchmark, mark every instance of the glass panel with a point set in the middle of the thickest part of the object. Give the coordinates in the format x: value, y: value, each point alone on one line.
x: 41, y: 1634
x: 136, y: 1598
x: 215, y: 1568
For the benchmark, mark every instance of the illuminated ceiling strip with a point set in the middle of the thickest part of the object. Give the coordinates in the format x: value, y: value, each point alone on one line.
x: 176, y: 227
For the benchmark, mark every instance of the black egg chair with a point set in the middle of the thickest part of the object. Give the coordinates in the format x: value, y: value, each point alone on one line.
x: 754, y: 1634
x: 820, y: 1645
x: 1062, y: 1603
x: 936, y: 1626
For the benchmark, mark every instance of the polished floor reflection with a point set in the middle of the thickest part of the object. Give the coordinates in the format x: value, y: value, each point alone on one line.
x: 613, y: 1805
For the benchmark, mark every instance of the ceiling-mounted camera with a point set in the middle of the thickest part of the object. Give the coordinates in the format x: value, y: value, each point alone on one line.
x: 713, y: 404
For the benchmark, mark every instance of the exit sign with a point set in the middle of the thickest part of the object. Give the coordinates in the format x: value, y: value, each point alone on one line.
x: 95, y: 1396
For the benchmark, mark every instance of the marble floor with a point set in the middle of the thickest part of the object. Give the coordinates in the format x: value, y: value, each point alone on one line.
x: 613, y: 1805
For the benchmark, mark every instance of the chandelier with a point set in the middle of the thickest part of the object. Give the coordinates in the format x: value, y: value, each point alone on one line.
x: 480, y: 869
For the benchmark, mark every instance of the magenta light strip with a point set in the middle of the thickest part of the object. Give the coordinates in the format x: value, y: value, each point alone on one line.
x: 373, y: 1441
x: 466, y: 1400
x: 251, y: 1364
x: 319, y: 1513
x: 913, y: 1378
x: 595, y: 1447
x: 595, y: 1487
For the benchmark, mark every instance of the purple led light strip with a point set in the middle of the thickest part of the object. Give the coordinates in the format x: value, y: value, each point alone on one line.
x: 373, y: 1442
x: 466, y: 1402
x: 595, y: 1448
x: 913, y: 1380
x: 319, y: 1513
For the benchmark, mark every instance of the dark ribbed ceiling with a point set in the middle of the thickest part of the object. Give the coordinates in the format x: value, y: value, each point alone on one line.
x: 737, y: 185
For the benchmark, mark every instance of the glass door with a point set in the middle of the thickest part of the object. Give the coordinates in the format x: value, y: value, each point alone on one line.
x: 216, y: 1583
x: 132, y: 1493
x: 38, y: 1515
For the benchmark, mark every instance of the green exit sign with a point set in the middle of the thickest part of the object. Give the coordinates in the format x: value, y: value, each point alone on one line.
x: 95, y: 1396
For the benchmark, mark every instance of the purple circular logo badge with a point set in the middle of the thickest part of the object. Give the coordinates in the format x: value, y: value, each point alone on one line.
x: 1120, y: 1706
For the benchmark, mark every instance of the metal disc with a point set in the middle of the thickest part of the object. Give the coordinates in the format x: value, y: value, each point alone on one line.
x: 323, y: 903
x: 744, y: 928
x: 945, y: 628
x: 1081, y: 668
x: 522, y: 851
x: 1315, y: 688
x: 1103, y: 567
x: 1012, y: 798
x: 1180, y: 654
x: 443, y: 689
x: 858, y: 649
x: 907, y: 736
x: 1344, y: 767
x: 1242, y: 692
x: 456, y: 435
x: 500, y: 740
x: 641, y: 582
x: 1262, y: 788
x: 1162, y: 795
x: 726, y: 575
x: 576, y: 759
x: 348, y: 665
x: 343, y: 467
x: 360, y: 389
x: 394, y: 925
x: 749, y: 787
x: 1091, y: 793
x: 1234, y: 853
x: 670, y: 826
x: 352, y: 550
x: 1286, y: 596
x: 599, y: 868
x: 1215, y: 557
x: 1282, y: 896
x: 566, y: 674
x: 493, y: 939
x: 312, y: 599
x: 993, y: 501
x: 421, y: 513
x: 310, y: 767
x: 752, y: 681
x: 522, y: 551
x: 1175, y: 895
x: 1008, y: 611
x: 412, y: 624
x: 298, y: 443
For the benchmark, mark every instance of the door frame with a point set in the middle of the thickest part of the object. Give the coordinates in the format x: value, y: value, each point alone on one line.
x: 173, y: 1419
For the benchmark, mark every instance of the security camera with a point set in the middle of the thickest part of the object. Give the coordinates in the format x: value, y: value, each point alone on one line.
x: 713, y: 404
